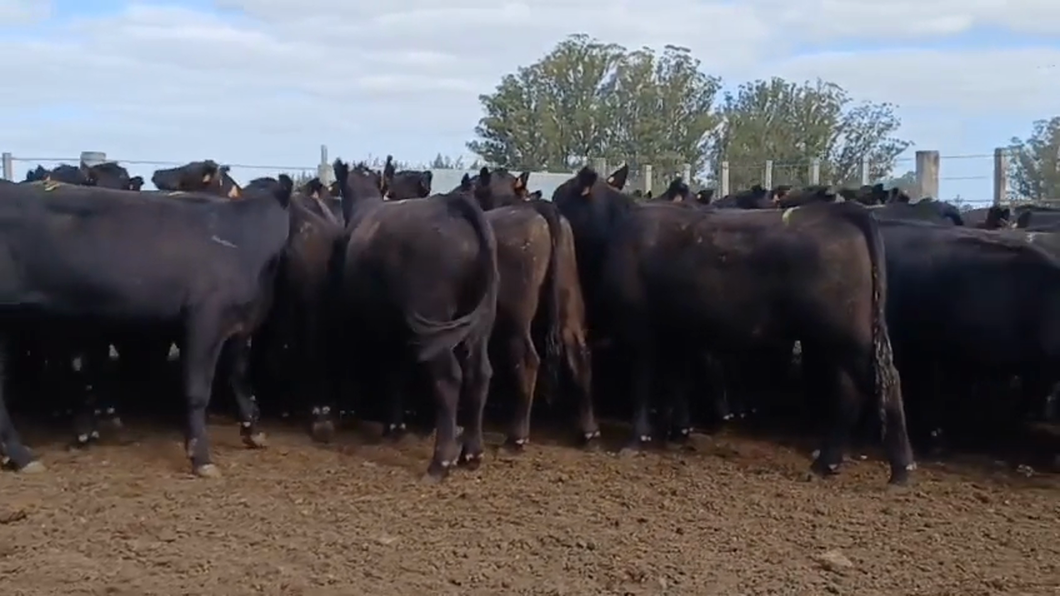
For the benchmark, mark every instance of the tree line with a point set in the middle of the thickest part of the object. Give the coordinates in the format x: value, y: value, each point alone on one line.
x: 590, y: 99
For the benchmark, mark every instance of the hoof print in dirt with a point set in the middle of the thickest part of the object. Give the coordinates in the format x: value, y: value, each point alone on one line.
x: 255, y: 441
x: 322, y: 432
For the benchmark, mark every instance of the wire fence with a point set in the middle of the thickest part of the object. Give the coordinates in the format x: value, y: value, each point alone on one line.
x: 975, y: 177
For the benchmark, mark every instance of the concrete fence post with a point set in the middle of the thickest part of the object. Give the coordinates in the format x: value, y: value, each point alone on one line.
x: 927, y: 174
x: 9, y: 166
x: 645, y: 177
x: 1000, y: 175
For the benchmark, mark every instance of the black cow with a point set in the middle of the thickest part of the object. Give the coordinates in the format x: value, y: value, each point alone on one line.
x: 419, y: 285
x: 677, y: 192
x: 405, y: 184
x: 90, y: 260
x: 290, y: 349
x: 669, y: 282
x: 104, y: 175
x: 198, y: 177
x: 967, y: 299
x: 988, y: 218
x: 1037, y: 218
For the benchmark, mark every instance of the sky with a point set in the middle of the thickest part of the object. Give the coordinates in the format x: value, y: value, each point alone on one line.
x: 266, y: 82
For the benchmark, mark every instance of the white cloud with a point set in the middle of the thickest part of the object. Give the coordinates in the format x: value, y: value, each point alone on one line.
x: 21, y: 12
x: 267, y: 81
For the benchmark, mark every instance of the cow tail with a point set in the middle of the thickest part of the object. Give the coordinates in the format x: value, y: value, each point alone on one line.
x: 434, y: 337
x: 886, y: 375
x: 552, y: 298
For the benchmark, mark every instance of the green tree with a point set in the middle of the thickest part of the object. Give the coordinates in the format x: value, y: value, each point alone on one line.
x: 1035, y: 162
x: 792, y: 124
x: 444, y: 162
x: 906, y: 182
x: 591, y: 99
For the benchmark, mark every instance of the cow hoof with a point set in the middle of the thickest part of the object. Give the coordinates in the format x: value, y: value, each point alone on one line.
x: 33, y: 467
x: 395, y: 432
x: 436, y: 472
x: 900, y: 475
x: 590, y: 441
x: 681, y: 436
x: 255, y: 441
x: 471, y: 461
x: 323, y: 432
x: 516, y: 445
x: 208, y: 471
x: 823, y: 470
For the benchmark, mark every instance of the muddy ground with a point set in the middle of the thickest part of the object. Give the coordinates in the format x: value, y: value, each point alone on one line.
x: 735, y: 515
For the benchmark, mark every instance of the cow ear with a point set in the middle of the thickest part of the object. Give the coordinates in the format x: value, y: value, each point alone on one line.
x: 465, y: 182
x: 617, y: 179
x: 484, y: 176
x: 388, y: 169
x: 209, y: 171
x: 585, y: 179
x: 520, y: 182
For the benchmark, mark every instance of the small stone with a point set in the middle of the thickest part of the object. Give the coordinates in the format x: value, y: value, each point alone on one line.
x: 834, y: 561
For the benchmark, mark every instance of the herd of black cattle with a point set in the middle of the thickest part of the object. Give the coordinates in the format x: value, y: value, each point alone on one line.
x: 355, y: 295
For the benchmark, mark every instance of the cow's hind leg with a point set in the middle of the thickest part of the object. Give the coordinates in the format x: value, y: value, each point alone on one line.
x: 83, y: 400
x: 200, y: 353
x: 525, y: 363
x: 446, y: 380
x: 238, y: 379
x: 13, y: 452
x: 397, y: 383
x: 844, y: 408
x: 579, y: 363
x: 642, y: 371
x: 477, y: 373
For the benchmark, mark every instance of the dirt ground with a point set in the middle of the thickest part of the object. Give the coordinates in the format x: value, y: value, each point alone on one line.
x: 732, y: 516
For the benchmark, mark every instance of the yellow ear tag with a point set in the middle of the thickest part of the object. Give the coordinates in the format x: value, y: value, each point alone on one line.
x: 786, y: 217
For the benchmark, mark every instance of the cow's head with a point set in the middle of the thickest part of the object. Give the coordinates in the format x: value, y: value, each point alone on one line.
x: 997, y: 217
x: 70, y: 175
x: 676, y: 192
x: 499, y: 188
x: 405, y: 184
x: 37, y: 174
x: 705, y: 196
x: 111, y: 175
x: 198, y: 176
x: 785, y: 196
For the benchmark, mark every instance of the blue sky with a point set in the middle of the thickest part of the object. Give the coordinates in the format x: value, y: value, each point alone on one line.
x: 268, y: 81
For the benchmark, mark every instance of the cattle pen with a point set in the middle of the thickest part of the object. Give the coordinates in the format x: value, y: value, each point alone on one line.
x: 983, y: 177
x: 723, y: 507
